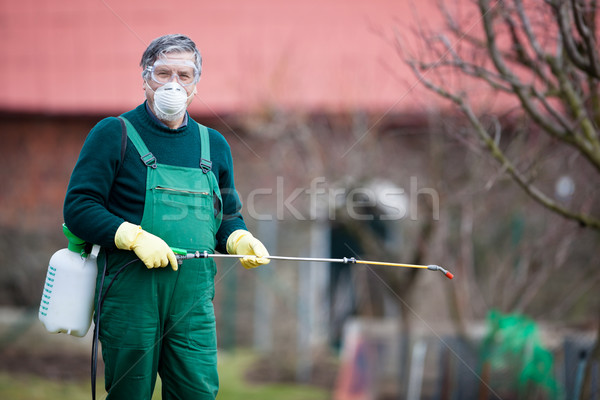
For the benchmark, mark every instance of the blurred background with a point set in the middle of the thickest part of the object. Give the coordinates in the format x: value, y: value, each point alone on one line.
x: 456, y: 133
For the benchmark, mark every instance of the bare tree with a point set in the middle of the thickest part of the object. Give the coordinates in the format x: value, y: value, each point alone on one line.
x: 541, y: 61
x: 541, y: 57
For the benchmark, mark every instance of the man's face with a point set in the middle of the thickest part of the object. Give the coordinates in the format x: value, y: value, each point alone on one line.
x: 177, y: 67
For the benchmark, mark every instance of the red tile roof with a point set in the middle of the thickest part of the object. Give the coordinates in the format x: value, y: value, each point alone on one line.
x: 72, y: 56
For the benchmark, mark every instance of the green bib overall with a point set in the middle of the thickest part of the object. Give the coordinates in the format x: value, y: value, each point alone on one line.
x: 159, y: 320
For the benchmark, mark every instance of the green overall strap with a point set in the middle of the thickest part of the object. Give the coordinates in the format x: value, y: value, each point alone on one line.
x: 146, y: 156
x: 205, y: 163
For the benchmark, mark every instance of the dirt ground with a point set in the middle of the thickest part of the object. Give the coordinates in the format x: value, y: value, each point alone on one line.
x: 26, y: 348
x: 53, y: 365
x: 269, y: 369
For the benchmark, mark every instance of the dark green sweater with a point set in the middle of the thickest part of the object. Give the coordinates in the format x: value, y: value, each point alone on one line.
x: 103, y: 192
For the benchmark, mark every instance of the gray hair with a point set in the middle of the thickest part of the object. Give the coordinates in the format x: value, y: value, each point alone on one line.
x: 174, y: 43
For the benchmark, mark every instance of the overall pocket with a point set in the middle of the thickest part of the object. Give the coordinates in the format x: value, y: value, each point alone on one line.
x: 184, y: 218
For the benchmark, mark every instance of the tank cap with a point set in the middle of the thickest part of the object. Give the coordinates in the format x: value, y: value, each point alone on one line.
x: 75, y: 244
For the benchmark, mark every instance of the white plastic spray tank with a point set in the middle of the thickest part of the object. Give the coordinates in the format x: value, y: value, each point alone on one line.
x: 68, y: 298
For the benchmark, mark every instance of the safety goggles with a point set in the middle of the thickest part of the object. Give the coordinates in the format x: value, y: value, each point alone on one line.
x: 164, y: 71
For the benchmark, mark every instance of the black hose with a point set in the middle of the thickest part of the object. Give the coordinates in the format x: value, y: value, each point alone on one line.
x: 94, y: 367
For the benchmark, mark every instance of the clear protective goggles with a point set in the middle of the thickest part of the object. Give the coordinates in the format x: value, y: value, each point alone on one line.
x: 164, y: 71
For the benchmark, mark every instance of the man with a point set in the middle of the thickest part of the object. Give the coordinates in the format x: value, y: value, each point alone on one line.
x: 169, y: 182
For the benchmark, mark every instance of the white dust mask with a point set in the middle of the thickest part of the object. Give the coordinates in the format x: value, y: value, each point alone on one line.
x: 170, y: 101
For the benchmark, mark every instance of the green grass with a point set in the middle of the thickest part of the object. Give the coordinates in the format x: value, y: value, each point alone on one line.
x: 234, y: 387
x: 33, y: 388
x: 232, y: 367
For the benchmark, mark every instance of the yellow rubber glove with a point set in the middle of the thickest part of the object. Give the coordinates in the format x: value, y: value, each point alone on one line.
x: 242, y: 242
x: 152, y: 250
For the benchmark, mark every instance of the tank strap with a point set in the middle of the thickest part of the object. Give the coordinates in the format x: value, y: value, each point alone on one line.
x: 95, y: 250
x: 123, y: 139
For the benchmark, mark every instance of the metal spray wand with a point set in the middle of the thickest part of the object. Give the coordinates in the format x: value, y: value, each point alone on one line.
x: 183, y: 254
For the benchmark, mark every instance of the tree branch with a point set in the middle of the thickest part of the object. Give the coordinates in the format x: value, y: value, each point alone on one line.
x: 526, y: 26
x: 520, y: 49
x: 587, y: 35
x: 590, y: 146
x: 521, y: 91
x: 498, y: 154
x: 561, y: 11
x: 588, y: 143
